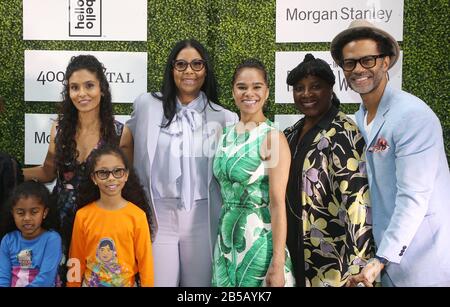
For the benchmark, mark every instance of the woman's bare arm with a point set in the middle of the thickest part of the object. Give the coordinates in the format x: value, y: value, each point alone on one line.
x: 47, y: 171
x: 278, y: 157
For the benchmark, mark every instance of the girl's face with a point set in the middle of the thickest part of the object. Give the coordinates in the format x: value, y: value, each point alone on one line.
x: 106, y: 254
x: 250, y: 91
x: 84, y: 90
x: 110, y: 175
x: 28, y: 215
x: 189, y: 81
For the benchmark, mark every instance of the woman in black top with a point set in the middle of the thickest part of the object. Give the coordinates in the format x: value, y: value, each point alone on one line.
x: 328, y: 208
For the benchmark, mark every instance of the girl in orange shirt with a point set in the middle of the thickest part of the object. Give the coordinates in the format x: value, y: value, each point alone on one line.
x: 111, y: 240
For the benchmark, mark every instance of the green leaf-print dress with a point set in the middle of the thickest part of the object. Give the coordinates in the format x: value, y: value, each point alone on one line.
x: 243, y: 251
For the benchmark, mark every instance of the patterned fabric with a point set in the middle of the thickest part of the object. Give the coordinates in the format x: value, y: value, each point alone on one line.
x: 243, y: 251
x: 334, y: 202
x: 105, y: 270
x: 23, y: 277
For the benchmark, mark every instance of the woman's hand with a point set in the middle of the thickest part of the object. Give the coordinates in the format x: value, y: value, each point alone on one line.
x: 275, y: 275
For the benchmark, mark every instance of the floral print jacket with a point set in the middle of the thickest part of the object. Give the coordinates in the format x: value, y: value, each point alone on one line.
x: 335, y: 205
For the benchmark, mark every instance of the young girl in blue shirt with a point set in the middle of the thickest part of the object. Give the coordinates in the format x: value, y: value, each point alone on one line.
x: 30, y: 248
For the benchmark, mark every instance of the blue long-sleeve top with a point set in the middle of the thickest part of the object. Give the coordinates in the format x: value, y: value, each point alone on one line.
x: 29, y: 263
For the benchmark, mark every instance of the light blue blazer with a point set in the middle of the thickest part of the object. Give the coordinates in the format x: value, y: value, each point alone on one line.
x: 410, y: 190
x: 145, y: 123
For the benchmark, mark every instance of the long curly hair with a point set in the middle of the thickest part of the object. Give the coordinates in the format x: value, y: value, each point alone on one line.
x: 29, y: 189
x: 66, y: 147
x: 169, y: 90
x: 132, y: 191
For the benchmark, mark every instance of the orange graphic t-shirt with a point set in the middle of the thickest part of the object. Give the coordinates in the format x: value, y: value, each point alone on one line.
x: 109, y: 247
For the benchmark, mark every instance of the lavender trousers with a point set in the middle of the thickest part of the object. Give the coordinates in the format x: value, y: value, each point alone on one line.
x: 181, y: 251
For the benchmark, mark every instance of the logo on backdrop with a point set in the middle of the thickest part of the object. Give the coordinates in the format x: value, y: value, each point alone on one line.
x: 344, y: 13
x: 85, y: 18
x: 126, y: 73
x: 320, y: 21
x: 59, y: 76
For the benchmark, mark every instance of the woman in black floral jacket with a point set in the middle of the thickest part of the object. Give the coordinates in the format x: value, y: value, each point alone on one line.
x: 328, y: 205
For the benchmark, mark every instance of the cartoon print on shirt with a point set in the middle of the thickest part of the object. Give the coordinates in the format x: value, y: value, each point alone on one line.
x: 106, y: 270
x: 25, y: 258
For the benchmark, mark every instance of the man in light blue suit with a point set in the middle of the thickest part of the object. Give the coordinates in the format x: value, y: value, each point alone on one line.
x: 407, y: 168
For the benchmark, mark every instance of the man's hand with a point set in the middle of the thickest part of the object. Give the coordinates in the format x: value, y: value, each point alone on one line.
x: 367, y: 275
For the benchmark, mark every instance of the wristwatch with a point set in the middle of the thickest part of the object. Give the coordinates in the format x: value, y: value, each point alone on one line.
x: 382, y: 260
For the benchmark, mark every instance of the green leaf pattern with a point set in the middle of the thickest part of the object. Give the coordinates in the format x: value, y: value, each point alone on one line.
x: 243, y: 251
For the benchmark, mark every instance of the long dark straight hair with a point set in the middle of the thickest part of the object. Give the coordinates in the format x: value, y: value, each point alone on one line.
x: 169, y: 89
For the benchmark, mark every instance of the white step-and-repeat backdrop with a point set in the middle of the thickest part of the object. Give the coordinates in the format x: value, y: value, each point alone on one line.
x: 297, y: 21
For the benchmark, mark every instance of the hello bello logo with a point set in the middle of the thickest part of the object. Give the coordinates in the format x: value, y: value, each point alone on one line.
x: 85, y: 18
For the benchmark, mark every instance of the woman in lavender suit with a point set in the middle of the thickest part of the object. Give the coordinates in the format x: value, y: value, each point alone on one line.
x: 172, y: 137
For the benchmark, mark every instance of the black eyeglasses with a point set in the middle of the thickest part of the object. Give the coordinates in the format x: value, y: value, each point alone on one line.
x: 181, y: 65
x: 366, y: 62
x: 117, y: 173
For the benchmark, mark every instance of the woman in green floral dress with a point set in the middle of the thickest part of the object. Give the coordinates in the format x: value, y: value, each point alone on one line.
x: 252, y: 165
